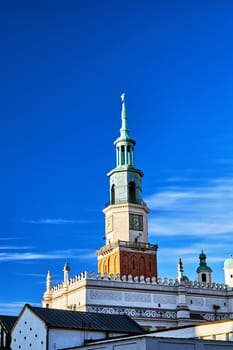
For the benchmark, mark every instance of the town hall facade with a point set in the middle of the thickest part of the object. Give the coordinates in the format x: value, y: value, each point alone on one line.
x: 127, y: 281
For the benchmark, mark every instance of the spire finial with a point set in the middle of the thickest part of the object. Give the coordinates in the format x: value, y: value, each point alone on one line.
x: 49, y: 281
x: 180, y: 270
x: 124, y: 129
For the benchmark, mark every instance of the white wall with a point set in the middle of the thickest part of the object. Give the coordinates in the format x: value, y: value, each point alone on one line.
x: 29, y: 333
x: 59, y: 338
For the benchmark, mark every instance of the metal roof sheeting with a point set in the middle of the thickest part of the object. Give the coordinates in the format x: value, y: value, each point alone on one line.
x: 56, y: 318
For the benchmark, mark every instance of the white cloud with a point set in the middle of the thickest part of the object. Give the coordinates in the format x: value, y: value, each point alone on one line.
x: 58, y: 221
x: 185, y: 219
x: 63, y: 254
x: 194, y: 211
x: 12, y: 247
x: 14, y: 308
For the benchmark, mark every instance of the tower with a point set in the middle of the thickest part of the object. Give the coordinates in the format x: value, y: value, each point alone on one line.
x: 228, y: 271
x: 203, y: 271
x: 127, y: 250
x: 180, y: 270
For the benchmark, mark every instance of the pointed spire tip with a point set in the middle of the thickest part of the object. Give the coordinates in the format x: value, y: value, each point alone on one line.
x: 123, y: 97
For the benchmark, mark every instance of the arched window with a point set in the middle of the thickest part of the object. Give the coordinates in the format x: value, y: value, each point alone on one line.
x: 122, y: 155
x: 132, y: 192
x: 142, y: 266
x: 125, y: 263
x: 113, y: 194
x: 129, y: 155
x: 203, y: 277
x: 105, y: 270
x: 150, y: 266
x: 115, y: 265
x: 133, y: 263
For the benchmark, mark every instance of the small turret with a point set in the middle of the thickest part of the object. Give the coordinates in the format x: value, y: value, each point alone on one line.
x: 228, y: 271
x: 48, y: 293
x: 180, y: 270
x: 204, y: 272
x: 48, y: 281
x: 66, y: 273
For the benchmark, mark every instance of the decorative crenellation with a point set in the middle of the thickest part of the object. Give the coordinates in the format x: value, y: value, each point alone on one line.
x: 138, y: 279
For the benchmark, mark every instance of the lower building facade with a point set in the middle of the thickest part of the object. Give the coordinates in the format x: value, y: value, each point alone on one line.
x: 154, y: 304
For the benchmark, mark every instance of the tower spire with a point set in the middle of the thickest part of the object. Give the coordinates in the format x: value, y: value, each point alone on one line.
x: 124, y: 127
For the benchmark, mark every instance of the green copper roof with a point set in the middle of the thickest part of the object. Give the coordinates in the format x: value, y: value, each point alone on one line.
x: 229, y: 262
x: 124, y: 127
x: 203, y: 266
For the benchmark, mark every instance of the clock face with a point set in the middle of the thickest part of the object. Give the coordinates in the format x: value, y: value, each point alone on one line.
x: 136, y: 222
x: 109, y: 224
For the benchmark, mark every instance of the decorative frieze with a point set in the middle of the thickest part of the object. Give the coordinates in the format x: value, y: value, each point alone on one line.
x: 215, y: 317
x: 134, y: 312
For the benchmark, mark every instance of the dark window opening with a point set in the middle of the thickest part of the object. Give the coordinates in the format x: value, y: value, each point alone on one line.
x: 122, y: 155
x: 113, y: 194
x: 132, y: 192
x: 203, y: 277
x: 129, y: 155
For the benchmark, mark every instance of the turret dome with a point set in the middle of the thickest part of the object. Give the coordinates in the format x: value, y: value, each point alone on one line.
x: 228, y: 263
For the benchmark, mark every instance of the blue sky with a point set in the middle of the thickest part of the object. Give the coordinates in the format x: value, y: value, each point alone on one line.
x: 63, y: 66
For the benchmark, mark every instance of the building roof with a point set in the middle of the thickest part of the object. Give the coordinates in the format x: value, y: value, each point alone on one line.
x: 7, y: 322
x: 56, y: 318
x: 229, y: 262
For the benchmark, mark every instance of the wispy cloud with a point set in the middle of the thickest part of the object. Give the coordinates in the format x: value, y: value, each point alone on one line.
x: 14, y: 308
x: 63, y: 254
x: 58, y: 221
x: 12, y: 247
x: 187, y: 219
x: 194, y: 211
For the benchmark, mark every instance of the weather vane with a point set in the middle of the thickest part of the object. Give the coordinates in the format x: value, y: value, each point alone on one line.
x: 123, y: 97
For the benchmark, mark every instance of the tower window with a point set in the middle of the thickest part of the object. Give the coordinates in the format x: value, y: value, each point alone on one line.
x: 129, y: 155
x: 113, y: 194
x: 132, y: 192
x: 203, y: 277
x: 122, y: 155
x: 150, y: 266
